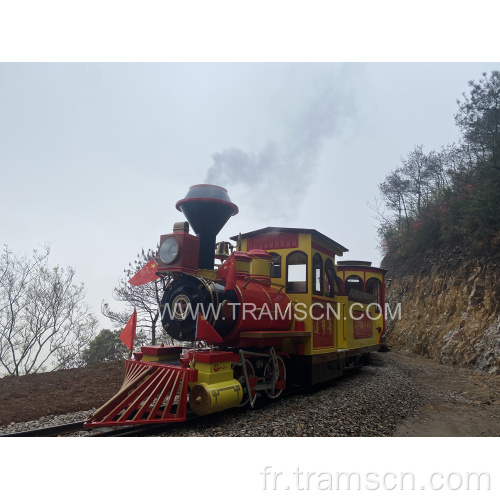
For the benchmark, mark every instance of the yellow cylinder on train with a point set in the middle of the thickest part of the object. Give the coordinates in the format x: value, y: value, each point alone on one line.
x: 205, y: 399
x: 215, y: 388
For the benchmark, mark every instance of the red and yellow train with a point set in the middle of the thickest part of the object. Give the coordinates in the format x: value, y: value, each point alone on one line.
x: 277, y: 312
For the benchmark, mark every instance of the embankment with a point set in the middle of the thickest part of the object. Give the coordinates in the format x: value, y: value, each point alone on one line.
x: 450, y: 306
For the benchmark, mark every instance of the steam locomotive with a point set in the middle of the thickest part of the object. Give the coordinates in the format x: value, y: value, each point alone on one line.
x: 275, y: 312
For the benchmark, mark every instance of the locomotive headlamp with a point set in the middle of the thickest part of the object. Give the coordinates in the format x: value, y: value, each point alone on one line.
x: 169, y: 250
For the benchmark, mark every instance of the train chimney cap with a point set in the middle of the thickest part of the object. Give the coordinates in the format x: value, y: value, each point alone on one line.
x: 207, y: 208
x: 207, y: 193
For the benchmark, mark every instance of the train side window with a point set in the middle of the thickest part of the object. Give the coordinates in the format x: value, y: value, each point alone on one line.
x: 296, y: 272
x: 353, y: 282
x: 340, y: 284
x: 275, y: 265
x: 374, y: 286
x: 333, y: 284
x: 317, y: 274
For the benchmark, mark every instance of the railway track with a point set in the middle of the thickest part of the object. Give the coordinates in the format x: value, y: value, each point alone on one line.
x: 140, y: 430
x: 128, y: 431
x: 55, y: 430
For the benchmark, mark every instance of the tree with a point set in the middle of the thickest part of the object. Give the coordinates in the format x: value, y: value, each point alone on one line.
x: 145, y: 299
x: 412, y: 193
x: 42, y: 314
x: 394, y: 192
x: 452, y: 195
x: 415, y: 169
x: 457, y: 168
x: 107, y: 346
x: 479, y: 119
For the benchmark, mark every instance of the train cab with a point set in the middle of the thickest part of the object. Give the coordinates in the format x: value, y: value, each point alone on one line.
x: 338, y: 325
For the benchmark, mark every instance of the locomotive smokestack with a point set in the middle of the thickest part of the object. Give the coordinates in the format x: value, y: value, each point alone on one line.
x: 207, y: 208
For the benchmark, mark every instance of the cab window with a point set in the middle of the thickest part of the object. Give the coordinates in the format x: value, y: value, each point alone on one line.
x: 296, y: 272
x: 275, y: 265
x: 374, y: 286
x: 353, y: 282
x: 333, y: 284
x: 317, y: 274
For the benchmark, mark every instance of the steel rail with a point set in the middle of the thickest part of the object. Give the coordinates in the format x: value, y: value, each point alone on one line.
x: 56, y: 430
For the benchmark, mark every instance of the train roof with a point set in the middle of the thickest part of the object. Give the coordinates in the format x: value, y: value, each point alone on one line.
x: 338, y: 248
x: 361, y: 265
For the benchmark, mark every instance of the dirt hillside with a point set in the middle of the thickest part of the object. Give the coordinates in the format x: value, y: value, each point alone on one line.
x: 33, y: 396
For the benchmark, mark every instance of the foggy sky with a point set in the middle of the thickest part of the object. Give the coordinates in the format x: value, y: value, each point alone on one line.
x: 93, y: 157
x: 314, y: 108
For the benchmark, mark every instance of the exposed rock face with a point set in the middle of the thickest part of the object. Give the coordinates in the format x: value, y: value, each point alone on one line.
x: 450, y: 307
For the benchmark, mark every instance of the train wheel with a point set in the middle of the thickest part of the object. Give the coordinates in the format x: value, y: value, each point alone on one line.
x: 268, y: 374
x: 240, y: 377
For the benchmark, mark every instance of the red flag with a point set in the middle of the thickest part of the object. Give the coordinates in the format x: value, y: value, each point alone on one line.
x: 145, y: 275
x: 205, y: 332
x: 128, y: 334
x: 228, y: 272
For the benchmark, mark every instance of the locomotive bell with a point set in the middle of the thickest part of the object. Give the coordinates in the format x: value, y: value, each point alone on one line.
x: 222, y: 250
x: 207, y: 208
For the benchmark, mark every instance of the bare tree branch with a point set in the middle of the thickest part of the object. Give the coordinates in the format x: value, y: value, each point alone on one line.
x: 145, y: 299
x: 42, y: 314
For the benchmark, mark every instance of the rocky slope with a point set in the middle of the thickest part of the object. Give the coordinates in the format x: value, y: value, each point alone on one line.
x: 450, y: 306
